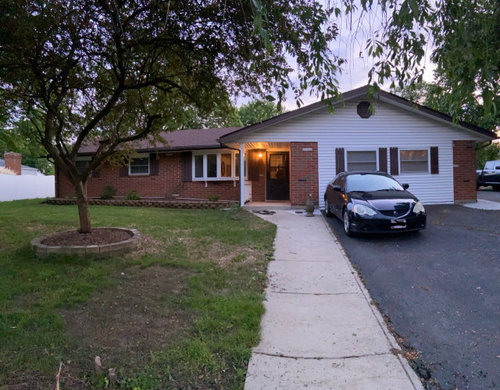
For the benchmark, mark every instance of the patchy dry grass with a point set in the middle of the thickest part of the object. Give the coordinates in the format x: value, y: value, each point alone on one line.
x: 181, y: 312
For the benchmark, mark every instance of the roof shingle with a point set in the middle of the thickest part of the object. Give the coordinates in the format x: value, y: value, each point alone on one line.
x: 176, y: 140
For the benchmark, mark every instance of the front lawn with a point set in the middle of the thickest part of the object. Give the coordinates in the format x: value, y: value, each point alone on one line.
x: 181, y: 312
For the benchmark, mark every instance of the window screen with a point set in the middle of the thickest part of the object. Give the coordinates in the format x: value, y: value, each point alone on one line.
x: 412, y: 161
x: 198, y: 166
x: 139, y: 166
x: 211, y: 165
x: 81, y: 165
x: 225, y: 165
x: 361, y: 161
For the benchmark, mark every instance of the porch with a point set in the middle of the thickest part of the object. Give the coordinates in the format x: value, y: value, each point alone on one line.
x: 278, y: 174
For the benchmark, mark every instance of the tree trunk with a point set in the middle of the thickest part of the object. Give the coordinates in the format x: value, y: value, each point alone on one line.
x: 83, y: 207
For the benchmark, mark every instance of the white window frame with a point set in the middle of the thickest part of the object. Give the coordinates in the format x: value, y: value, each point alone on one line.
x: 142, y: 155
x: 346, y: 161
x: 218, y: 153
x: 415, y: 173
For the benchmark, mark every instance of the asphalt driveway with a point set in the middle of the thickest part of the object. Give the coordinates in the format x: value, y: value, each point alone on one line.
x: 440, y: 288
x: 488, y: 194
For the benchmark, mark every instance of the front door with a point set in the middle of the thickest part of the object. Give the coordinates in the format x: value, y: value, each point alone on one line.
x: 278, y: 177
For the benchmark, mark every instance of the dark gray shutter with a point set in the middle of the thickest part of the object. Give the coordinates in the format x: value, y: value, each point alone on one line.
x: 154, y: 166
x: 253, y: 165
x: 124, y: 171
x: 382, y: 159
x: 434, y: 160
x: 394, y: 155
x: 339, y: 160
x: 187, y: 166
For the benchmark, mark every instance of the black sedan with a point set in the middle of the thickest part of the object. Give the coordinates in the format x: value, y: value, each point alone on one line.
x: 373, y: 202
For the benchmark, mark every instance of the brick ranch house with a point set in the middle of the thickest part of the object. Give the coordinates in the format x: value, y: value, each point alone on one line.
x: 295, y: 154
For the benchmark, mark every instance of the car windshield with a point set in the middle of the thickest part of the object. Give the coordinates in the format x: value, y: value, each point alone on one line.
x: 369, y: 182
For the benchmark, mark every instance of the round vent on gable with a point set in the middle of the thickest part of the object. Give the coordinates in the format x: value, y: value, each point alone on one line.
x: 364, y: 109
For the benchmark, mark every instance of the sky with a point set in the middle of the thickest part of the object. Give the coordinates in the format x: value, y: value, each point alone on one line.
x: 350, y: 44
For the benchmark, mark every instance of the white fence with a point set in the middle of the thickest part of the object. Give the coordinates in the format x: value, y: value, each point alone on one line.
x: 26, y: 187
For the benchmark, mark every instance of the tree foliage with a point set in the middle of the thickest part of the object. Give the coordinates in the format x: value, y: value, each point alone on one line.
x: 462, y: 37
x: 19, y: 138
x: 440, y: 98
x: 112, y: 72
x: 257, y: 111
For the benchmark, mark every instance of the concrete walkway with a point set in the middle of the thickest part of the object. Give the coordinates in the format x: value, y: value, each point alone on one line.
x: 483, y: 204
x: 320, y: 330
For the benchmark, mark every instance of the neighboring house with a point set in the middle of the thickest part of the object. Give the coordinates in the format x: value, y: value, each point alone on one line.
x: 14, y: 164
x: 297, y: 153
x: 23, y: 182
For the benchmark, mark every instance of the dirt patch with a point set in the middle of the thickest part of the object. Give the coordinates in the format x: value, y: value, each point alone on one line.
x: 131, y: 319
x: 149, y: 246
x: 95, y: 237
x: 223, y: 255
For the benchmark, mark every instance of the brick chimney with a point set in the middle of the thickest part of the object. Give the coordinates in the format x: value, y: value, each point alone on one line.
x: 13, y: 162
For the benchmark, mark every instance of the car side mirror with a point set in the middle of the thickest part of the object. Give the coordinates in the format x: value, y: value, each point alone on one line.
x: 406, y: 186
x: 337, y: 188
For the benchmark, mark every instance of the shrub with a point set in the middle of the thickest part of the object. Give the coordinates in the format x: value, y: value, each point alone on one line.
x: 133, y: 195
x: 108, y: 192
x: 213, y: 198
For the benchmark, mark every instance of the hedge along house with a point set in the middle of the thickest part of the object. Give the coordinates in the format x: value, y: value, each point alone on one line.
x: 295, y: 154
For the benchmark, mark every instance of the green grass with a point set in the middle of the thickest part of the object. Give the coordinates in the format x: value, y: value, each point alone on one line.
x: 215, y: 263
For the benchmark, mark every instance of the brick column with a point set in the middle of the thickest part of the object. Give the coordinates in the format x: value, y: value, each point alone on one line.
x: 464, y: 171
x: 303, y: 172
x: 13, y: 162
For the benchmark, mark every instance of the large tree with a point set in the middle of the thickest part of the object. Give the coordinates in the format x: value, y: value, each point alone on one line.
x: 114, y: 71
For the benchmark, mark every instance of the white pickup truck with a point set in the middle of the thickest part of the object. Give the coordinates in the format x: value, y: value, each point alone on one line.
x: 489, y: 175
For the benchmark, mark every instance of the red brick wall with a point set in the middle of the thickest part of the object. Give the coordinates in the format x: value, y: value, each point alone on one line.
x: 303, y: 172
x: 259, y: 186
x: 167, y: 183
x: 464, y: 171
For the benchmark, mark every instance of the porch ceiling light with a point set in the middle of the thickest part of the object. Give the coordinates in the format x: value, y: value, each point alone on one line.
x: 260, y: 155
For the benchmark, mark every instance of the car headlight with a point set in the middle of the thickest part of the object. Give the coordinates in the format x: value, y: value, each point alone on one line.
x: 362, y: 210
x: 419, y: 208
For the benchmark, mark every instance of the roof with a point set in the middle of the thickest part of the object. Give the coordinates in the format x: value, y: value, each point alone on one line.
x: 355, y: 93
x: 176, y: 140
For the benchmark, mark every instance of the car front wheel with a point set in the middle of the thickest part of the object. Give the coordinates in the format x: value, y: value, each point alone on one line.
x: 347, y: 223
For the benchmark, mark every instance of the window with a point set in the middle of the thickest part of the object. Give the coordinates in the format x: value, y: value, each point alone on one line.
x: 209, y: 165
x: 361, y: 161
x: 82, y: 164
x: 371, y: 182
x: 139, y: 166
x: 198, y: 165
x: 414, y: 161
x: 225, y: 165
x: 237, y: 165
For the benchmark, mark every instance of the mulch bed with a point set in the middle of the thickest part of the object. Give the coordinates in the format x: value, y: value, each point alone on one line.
x: 95, y: 237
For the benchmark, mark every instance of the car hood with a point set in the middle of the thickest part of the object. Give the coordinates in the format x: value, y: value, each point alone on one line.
x: 384, y: 200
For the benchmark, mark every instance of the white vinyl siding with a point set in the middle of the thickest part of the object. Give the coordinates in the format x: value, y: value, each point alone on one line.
x: 389, y: 126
